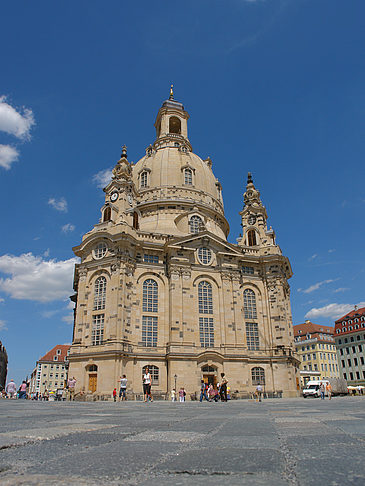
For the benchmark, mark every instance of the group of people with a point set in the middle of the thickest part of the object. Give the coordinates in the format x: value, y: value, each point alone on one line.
x: 12, y: 392
x: 181, y: 394
x: 323, y: 387
x: 210, y: 393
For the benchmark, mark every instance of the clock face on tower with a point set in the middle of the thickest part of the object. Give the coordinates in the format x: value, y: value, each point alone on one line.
x: 114, y: 196
x: 252, y: 219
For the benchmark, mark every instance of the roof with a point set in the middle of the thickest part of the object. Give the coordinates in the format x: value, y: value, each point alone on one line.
x: 59, y: 351
x: 308, y: 327
x: 352, y: 322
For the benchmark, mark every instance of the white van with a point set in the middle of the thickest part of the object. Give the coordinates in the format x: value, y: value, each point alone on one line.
x: 311, y: 389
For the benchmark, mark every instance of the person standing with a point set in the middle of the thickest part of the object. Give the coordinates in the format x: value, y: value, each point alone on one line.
x: 182, y: 395
x: 173, y: 395
x: 322, y: 390
x: 223, y: 390
x: 123, y: 388
x: 259, y: 392
x: 203, y: 391
x: 11, y: 389
x: 71, y: 383
x: 329, y: 390
x: 115, y: 394
x: 147, y: 386
x: 23, y: 390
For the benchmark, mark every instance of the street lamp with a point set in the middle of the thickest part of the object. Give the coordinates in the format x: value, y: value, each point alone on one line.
x: 175, y: 377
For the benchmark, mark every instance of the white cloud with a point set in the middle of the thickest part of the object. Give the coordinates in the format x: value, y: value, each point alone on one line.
x: 341, y: 289
x: 58, y: 204
x: 333, y: 311
x: 313, y: 257
x: 33, y: 278
x: 2, y: 300
x: 331, y: 250
x: 50, y: 313
x: 68, y: 228
x: 17, y: 123
x: 316, y: 286
x: 69, y: 319
x: 103, y: 177
x: 46, y: 253
x: 3, y: 326
x: 8, y: 155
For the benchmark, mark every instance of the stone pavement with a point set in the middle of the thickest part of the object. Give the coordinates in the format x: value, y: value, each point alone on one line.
x: 276, y: 442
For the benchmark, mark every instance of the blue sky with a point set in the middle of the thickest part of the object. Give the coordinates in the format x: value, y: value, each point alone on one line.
x: 272, y: 86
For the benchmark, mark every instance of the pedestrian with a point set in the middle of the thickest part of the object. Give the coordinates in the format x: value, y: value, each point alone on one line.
x: 11, y: 389
x: 203, y: 391
x: 211, y: 393
x: 181, y: 395
x: 258, y: 392
x: 173, y: 395
x: 223, y: 390
x: 329, y: 390
x: 322, y: 390
x: 147, y: 386
x: 71, y: 383
x: 115, y: 394
x: 23, y: 390
x: 123, y: 388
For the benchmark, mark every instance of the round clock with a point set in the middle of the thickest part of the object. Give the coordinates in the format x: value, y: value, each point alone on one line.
x: 252, y: 219
x: 114, y: 196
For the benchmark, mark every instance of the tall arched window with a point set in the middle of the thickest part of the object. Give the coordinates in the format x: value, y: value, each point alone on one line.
x: 154, y: 372
x: 251, y: 238
x: 150, y: 296
x: 196, y: 224
x: 249, y: 304
x: 258, y: 376
x: 107, y: 216
x: 144, y: 179
x: 174, y: 125
x: 99, y: 293
x: 188, y: 177
x: 205, y: 298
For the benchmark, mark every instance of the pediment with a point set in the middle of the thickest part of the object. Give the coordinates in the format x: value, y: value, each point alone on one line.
x: 205, y: 238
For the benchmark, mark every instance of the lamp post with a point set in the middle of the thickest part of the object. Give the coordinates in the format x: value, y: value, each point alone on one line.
x: 175, y: 377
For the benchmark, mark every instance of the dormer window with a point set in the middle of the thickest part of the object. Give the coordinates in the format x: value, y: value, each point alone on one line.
x: 188, y: 177
x: 196, y: 224
x: 251, y: 238
x: 144, y: 179
x: 174, y: 125
x: 107, y: 216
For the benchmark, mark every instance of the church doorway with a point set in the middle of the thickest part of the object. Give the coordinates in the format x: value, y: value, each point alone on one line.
x: 93, y: 381
x: 210, y: 375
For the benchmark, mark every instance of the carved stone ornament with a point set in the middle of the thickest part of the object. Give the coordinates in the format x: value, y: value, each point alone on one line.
x: 123, y: 169
x: 82, y: 274
x: 186, y: 274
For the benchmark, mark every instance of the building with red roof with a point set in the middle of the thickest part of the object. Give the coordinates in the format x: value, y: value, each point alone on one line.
x: 316, y: 350
x: 50, y: 373
x: 350, y: 343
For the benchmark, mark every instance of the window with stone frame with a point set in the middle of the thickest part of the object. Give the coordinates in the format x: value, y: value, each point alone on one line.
x: 251, y: 238
x: 206, y: 330
x: 196, y: 224
x: 249, y: 304
x: 144, y: 179
x: 154, y: 372
x: 188, y: 177
x: 99, y: 293
x: 149, y: 331
x: 258, y: 375
x: 252, y: 336
x: 97, y: 334
x: 205, y: 298
x: 150, y: 296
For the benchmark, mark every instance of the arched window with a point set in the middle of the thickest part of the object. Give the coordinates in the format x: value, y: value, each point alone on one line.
x: 258, y: 376
x: 92, y: 368
x: 251, y: 238
x: 205, y: 298
x: 99, y: 293
x: 150, y: 296
x: 107, y: 214
x: 144, y: 179
x: 249, y: 304
x: 196, y: 224
x: 174, y: 125
x: 188, y: 177
x: 154, y: 372
x: 208, y: 369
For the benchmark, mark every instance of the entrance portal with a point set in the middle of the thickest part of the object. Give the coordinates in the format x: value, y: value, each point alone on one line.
x: 93, y: 381
x: 210, y: 375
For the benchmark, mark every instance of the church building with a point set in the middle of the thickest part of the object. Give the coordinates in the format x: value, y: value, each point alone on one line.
x: 159, y: 285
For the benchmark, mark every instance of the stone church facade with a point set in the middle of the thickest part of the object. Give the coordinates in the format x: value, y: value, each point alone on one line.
x: 160, y: 286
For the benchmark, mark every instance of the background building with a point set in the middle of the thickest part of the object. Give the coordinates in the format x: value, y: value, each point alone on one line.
x: 160, y: 286
x: 316, y: 350
x: 50, y: 372
x: 350, y: 343
x: 3, y: 365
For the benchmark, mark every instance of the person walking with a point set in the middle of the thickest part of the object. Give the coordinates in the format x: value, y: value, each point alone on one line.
x: 11, y: 389
x: 115, y: 394
x: 173, y: 395
x: 258, y: 392
x: 71, y: 383
x: 329, y: 390
x: 322, y: 390
x: 147, y: 386
x: 23, y: 390
x: 123, y: 388
x: 223, y: 389
x: 203, y: 391
x: 182, y: 395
